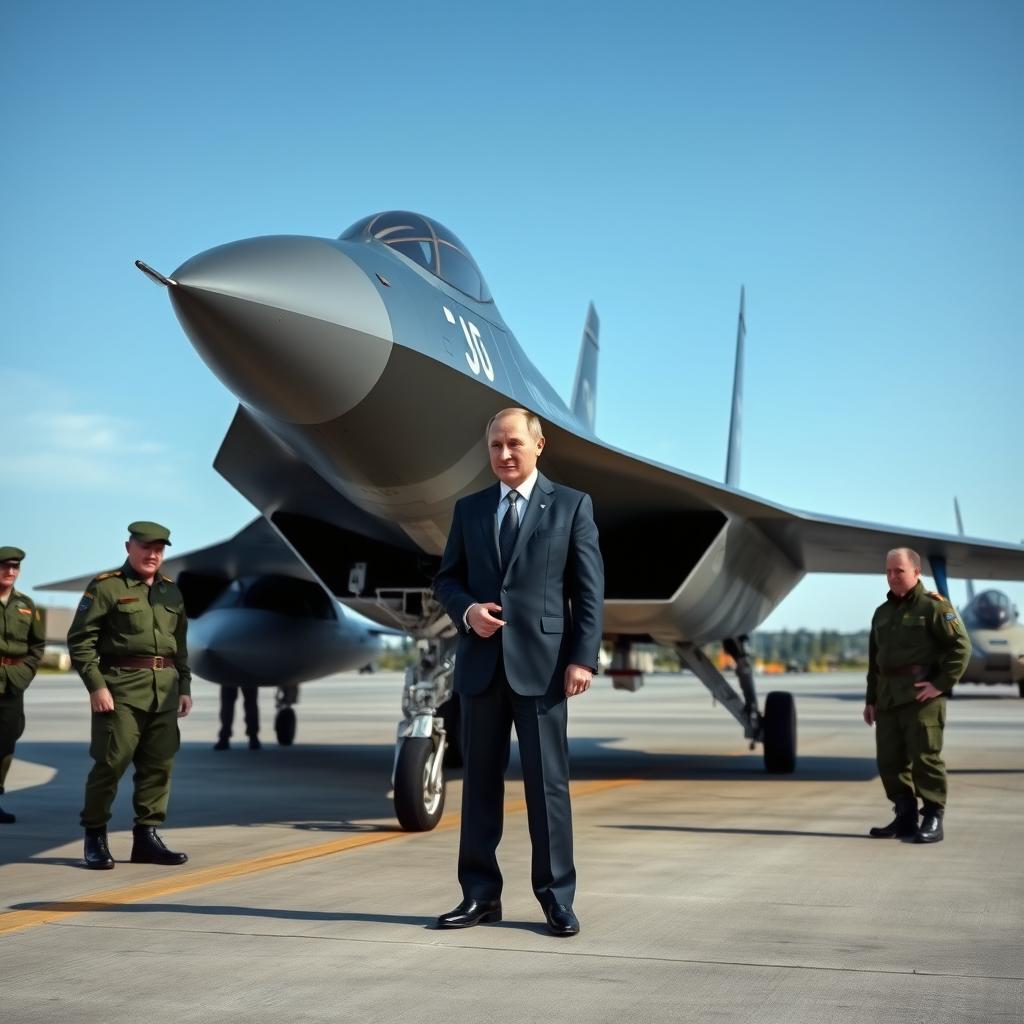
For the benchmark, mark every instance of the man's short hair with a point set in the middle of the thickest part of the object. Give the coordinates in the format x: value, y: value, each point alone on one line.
x: 536, y: 431
x: 909, y: 553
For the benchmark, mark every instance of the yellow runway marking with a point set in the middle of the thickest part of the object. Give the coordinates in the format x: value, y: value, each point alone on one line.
x: 187, y: 880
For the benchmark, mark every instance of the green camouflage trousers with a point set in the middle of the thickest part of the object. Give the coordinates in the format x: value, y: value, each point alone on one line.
x: 909, y: 743
x: 126, y: 735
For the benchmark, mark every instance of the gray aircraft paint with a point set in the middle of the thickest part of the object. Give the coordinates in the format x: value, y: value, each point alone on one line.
x: 402, y: 453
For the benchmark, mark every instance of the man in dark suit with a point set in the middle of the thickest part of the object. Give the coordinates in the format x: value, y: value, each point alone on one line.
x: 523, y: 580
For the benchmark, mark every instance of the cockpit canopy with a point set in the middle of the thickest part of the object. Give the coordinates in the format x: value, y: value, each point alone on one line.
x: 991, y: 609
x: 427, y: 243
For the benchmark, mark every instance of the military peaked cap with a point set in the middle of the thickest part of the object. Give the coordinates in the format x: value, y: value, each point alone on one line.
x: 147, y: 532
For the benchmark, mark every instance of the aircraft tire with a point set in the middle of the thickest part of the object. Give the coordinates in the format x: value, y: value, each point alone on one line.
x: 779, y: 733
x: 1020, y: 687
x: 284, y: 725
x: 451, y: 712
x: 417, y: 809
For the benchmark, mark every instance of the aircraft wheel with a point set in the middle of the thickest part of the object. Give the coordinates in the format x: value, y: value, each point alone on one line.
x: 418, y: 806
x: 1020, y: 687
x: 284, y: 726
x: 779, y: 733
x: 451, y: 712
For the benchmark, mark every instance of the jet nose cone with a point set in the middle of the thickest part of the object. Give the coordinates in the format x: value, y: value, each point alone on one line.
x: 292, y: 325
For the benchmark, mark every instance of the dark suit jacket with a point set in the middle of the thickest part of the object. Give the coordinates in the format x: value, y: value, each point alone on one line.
x: 551, y: 592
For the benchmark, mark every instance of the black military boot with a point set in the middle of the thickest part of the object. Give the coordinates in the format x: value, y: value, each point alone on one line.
x: 904, y: 825
x: 97, y: 853
x: 5, y: 818
x: 148, y: 848
x: 223, y: 743
x: 931, y: 825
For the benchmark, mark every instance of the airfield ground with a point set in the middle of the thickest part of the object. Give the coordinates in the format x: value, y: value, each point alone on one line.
x: 708, y: 891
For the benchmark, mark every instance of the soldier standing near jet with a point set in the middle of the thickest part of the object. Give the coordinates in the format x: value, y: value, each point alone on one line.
x: 522, y: 575
x: 918, y: 650
x: 21, y: 648
x: 250, y: 702
x: 127, y: 641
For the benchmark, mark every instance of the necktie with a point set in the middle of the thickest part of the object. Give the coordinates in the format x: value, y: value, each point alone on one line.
x: 509, y: 529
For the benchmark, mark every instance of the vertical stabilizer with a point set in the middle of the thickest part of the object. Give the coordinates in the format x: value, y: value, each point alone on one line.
x: 584, y: 388
x: 732, y: 459
x: 960, y: 530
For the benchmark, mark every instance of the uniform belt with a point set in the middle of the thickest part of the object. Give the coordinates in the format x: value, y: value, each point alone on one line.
x: 153, y: 662
x: 8, y: 660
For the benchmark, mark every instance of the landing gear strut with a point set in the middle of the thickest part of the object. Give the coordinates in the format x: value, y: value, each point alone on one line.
x: 285, y: 720
x: 775, y: 728
x: 428, y: 709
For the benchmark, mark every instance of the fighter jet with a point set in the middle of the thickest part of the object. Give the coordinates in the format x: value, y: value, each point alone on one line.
x: 997, y: 637
x: 366, y: 367
x: 258, y: 617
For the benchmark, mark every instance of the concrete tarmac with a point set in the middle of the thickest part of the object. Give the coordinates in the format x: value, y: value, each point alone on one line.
x: 708, y: 891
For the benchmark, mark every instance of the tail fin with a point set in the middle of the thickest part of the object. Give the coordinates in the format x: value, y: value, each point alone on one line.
x: 960, y: 530
x: 584, y: 389
x: 732, y: 459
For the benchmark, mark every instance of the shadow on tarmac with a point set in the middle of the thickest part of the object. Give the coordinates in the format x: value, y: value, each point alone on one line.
x: 271, y: 913
x: 741, y: 831
x: 327, y: 788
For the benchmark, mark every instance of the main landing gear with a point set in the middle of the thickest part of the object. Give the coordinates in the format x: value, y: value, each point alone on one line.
x: 427, y: 736
x: 775, y: 728
x: 285, y: 720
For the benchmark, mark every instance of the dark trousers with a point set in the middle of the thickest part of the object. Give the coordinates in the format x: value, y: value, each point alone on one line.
x: 908, y: 739
x: 540, y: 723
x: 12, y: 725
x: 250, y: 702
x: 127, y: 735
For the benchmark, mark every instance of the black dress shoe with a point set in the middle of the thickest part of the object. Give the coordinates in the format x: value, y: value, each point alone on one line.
x: 97, y: 853
x: 254, y: 743
x: 222, y: 744
x: 148, y: 848
x: 5, y: 818
x: 561, y: 919
x: 471, y: 912
x: 931, y: 828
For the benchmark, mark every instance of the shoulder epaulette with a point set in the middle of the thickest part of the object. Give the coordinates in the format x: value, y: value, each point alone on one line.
x: 166, y: 579
x: 936, y: 596
x: 107, y: 575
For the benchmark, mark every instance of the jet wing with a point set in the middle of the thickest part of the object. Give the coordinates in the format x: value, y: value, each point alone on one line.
x: 625, y: 488
x: 256, y: 550
x: 820, y: 544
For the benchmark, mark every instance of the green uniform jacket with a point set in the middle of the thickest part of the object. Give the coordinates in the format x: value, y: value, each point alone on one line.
x: 21, y: 635
x: 917, y: 637
x: 120, y: 617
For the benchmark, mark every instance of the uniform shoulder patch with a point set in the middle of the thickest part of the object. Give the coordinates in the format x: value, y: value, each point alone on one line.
x: 950, y: 616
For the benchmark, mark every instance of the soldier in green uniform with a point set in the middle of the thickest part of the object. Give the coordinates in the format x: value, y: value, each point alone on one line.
x: 918, y: 649
x: 21, y: 648
x: 127, y: 641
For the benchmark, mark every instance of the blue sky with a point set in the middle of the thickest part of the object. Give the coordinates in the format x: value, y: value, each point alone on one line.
x: 856, y: 166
